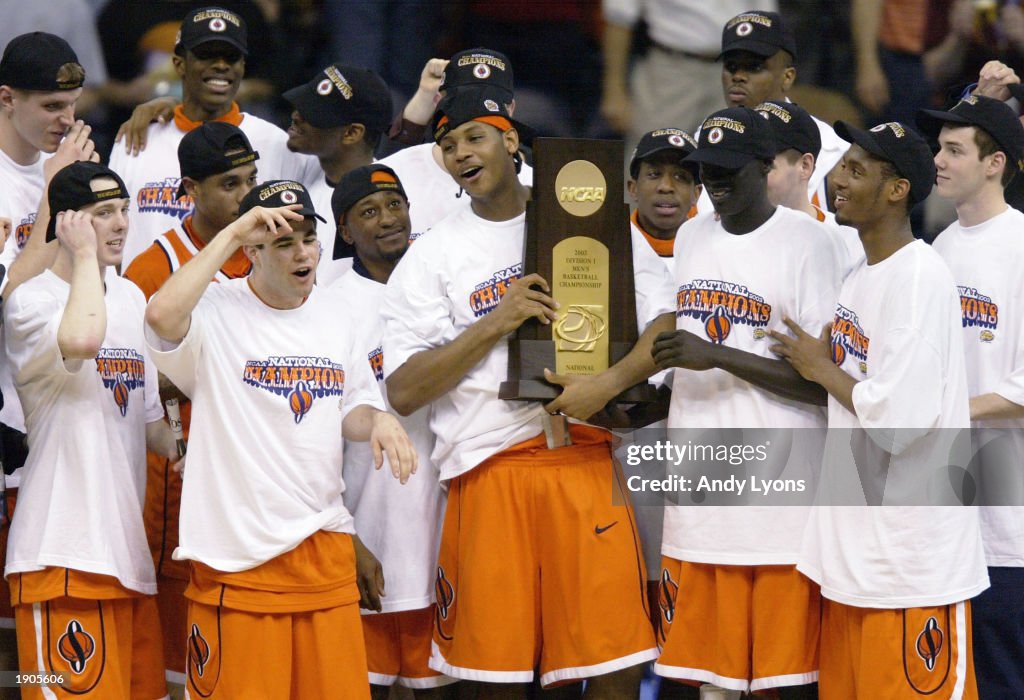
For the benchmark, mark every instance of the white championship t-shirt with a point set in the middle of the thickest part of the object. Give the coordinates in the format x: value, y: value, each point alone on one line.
x: 399, y: 523
x: 272, y: 387
x: 450, y: 278
x: 897, y: 331
x: 987, y: 262
x: 153, y: 176
x: 733, y: 289
x: 82, y: 487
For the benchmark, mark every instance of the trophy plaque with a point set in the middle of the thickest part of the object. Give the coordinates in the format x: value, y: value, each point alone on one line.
x: 578, y: 239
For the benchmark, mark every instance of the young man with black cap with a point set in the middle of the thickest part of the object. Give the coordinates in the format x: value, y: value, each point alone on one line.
x: 739, y: 272
x: 757, y: 55
x: 77, y: 560
x: 209, y: 57
x: 339, y: 117
x: 895, y: 578
x: 799, y: 142
x: 372, y: 214
x: 422, y: 167
x: 664, y: 187
x: 981, y: 148
x: 273, y: 555
x: 218, y: 168
x: 448, y: 308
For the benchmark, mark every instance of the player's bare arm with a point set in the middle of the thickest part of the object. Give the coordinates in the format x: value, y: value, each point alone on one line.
x: 135, y: 131
x: 386, y: 436
x: 583, y: 396
x: 369, y: 576
x: 83, y: 324
x: 39, y: 253
x: 421, y: 105
x: 169, y: 311
x: 812, y: 358
x: 432, y: 373
x: 994, y: 407
x: 684, y: 349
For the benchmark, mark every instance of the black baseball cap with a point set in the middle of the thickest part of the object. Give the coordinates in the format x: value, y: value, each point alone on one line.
x: 356, y: 184
x: 760, y: 33
x: 903, y: 147
x: 207, y: 24
x: 990, y: 115
x: 731, y: 138
x: 279, y: 193
x: 42, y: 62
x: 204, y: 151
x: 793, y: 127
x: 664, y: 140
x: 71, y: 189
x: 483, y: 103
x: 341, y: 95
x: 477, y: 67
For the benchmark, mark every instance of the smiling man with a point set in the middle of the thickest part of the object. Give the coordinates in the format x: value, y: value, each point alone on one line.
x: 77, y: 561
x: 372, y: 214
x: 896, y: 620
x: 739, y: 271
x: 210, y: 60
x: 339, y: 117
x: 448, y: 309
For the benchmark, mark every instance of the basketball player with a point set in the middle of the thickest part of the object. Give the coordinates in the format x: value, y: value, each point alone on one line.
x: 896, y: 616
x: 729, y: 573
x: 81, y: 577
x: 273, y: 579
x: 981, y: 148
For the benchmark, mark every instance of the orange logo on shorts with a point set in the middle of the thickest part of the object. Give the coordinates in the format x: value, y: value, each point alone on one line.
x: 76, y: 646
x: 198, y: 650
x: 929, y: 643
x: 444, y: 591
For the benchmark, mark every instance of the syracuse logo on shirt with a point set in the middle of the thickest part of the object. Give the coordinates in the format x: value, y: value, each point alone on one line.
x: 23, y: 230
x: 979, y: 311
x: 488, y: 294
x: 848, y: 338
x: 300, y: 380
x: 376, y: 358
x: 162, y: 197
x: 122, y: 370
x: 721, y: 305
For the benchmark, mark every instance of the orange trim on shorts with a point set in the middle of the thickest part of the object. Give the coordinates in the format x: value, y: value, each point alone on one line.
x: 319, y: 573
x: 59, y: 582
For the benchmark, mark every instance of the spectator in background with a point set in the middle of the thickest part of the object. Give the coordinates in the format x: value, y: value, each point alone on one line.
x: 393, y: 39
x: 678, y: 80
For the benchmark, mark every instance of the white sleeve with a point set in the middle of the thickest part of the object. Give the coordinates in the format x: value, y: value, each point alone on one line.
x: 1011, y: 387
x: 31, y: 323
x: 621, y: 12
x: 417, y: 312
x: 652, y: 282
x: 819, y: 279
x: 905, y: 391
x: 360, y: 384
x: 179, y: 361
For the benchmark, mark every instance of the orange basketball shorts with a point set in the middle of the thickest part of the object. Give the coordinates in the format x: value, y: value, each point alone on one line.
x: 398, y: 649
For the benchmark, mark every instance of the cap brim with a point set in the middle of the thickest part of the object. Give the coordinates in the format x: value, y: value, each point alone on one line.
x: 304, y: 99
x: 862, y: 138
x: 722, y: 157
x: 307, y: 212
x: 758, y: 48
x: 223, y: 39
x: 931, y: 121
